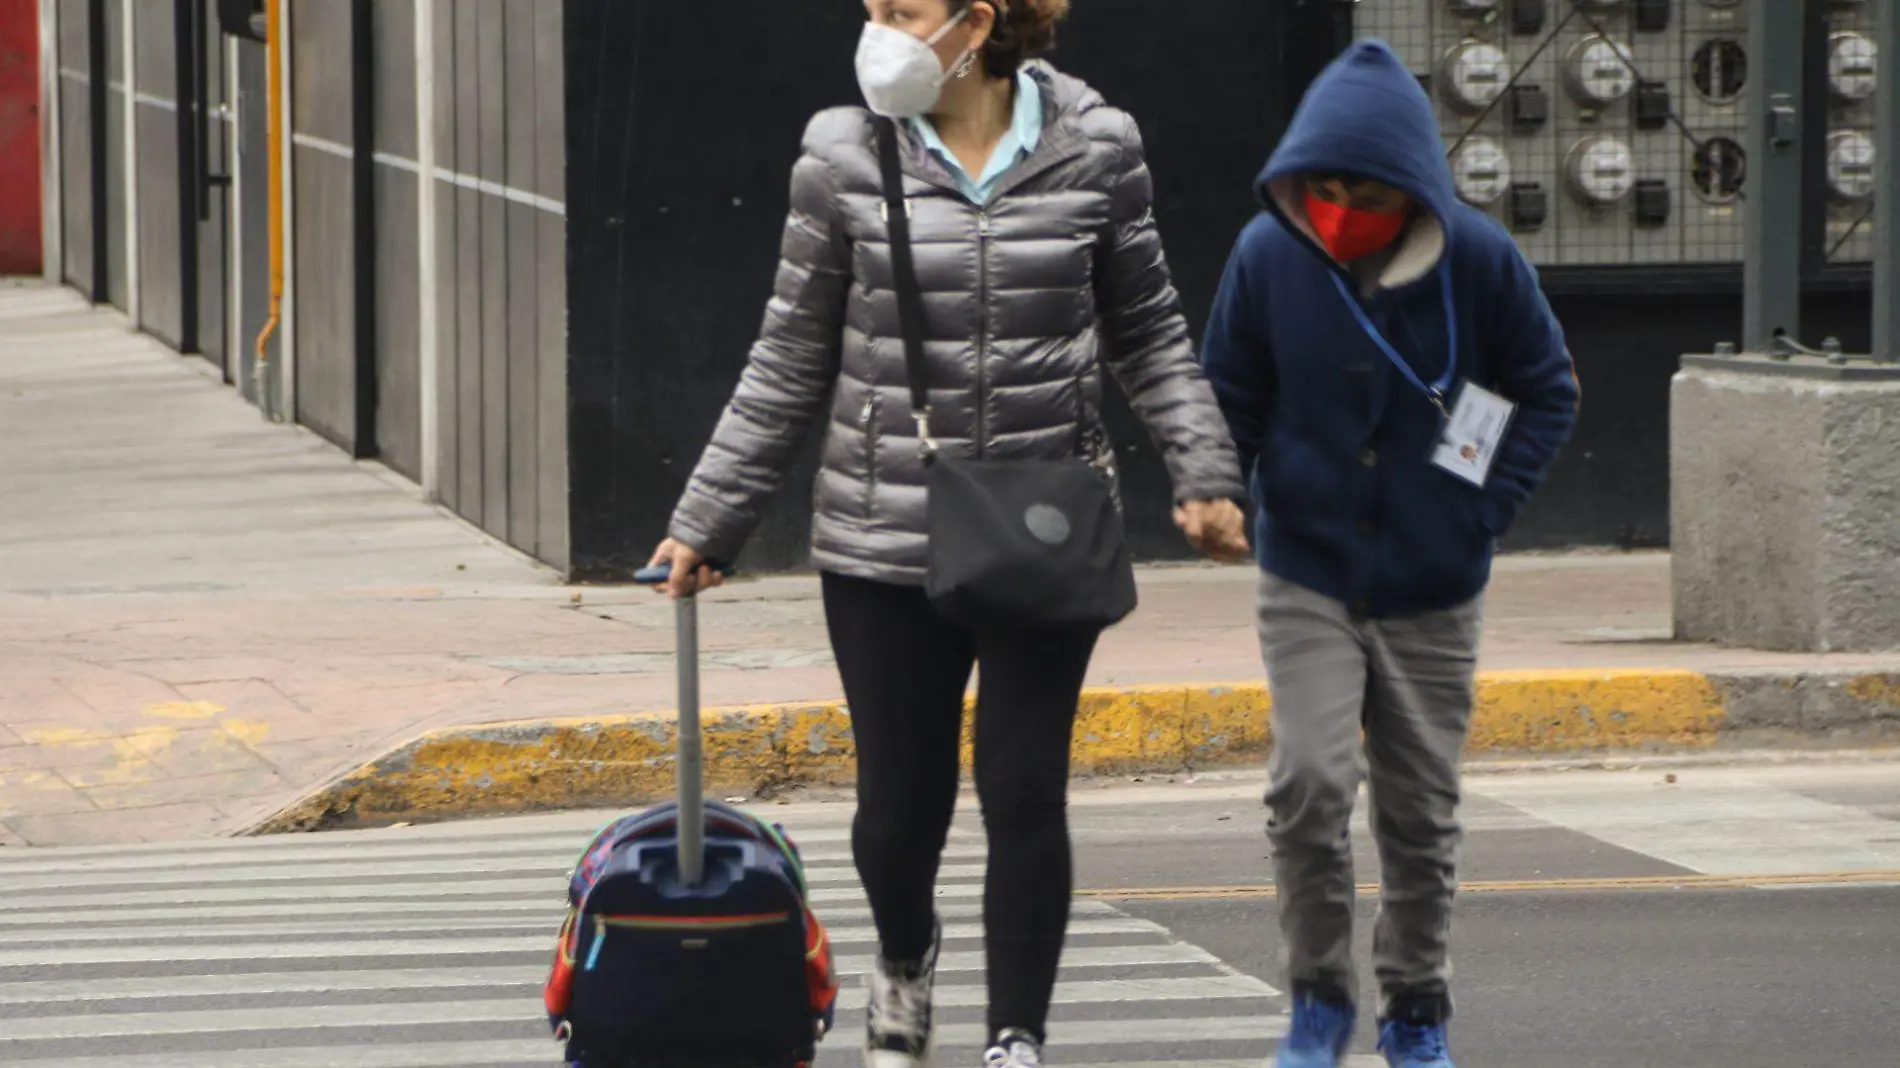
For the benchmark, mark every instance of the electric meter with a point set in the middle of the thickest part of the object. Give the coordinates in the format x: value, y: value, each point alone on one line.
x: 1719, y: 71
x: 1850, y: 164
x: 1600, y: 71
x: 1481, y: 169
x: 1851, y: 66
x: 1476, y: 73
x: 1602, y: 170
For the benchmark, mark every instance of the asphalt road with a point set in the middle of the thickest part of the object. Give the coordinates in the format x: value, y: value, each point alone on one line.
x: 1739, y: 918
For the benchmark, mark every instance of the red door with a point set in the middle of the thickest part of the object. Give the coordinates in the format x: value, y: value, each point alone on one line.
x: 19, y: 137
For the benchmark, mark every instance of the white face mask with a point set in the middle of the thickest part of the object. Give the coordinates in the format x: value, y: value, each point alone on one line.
x: 900, y: 74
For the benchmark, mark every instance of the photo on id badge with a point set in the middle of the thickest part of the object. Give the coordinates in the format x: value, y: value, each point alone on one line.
x: 1473, y: 433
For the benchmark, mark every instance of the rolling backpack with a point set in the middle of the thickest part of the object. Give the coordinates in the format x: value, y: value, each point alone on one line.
x: 689, y: 940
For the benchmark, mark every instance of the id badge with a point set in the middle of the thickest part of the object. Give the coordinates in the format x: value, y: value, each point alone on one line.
x: 1473, y: 434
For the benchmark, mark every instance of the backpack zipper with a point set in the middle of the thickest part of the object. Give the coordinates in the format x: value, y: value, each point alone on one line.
x: 698, y: 924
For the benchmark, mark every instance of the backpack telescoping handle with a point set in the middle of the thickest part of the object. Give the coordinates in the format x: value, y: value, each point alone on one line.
x: 689, y: 761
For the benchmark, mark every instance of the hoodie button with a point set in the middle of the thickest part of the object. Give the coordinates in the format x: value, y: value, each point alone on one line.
x: 1369, y: 457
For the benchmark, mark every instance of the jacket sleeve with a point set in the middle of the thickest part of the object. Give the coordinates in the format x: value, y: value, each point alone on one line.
x: 791, y: 367
x: 1236, y: 358
x: 1534, y: 371
x: 1147, y: 342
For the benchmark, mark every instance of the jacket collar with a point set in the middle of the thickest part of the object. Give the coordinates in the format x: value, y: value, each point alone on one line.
x: 1064, y: 99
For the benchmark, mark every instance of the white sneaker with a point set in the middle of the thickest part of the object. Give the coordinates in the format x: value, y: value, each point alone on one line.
x: 897, y: 1033
x: 1014, y: 1049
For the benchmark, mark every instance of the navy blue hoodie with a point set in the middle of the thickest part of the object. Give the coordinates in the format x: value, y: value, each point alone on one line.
x: 1338, y: 441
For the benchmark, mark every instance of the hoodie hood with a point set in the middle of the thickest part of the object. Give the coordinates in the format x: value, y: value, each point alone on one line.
x: 1366, y: 114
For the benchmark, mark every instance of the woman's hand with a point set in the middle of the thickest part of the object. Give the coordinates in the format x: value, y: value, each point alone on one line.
x: 1217, y: 529
x: 690, y: 571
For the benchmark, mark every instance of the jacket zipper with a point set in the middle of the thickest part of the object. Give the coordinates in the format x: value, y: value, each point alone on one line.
x: 870, y: 453
x: 983, y: 235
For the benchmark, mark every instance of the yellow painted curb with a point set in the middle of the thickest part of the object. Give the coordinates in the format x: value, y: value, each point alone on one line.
x: 625, y: 760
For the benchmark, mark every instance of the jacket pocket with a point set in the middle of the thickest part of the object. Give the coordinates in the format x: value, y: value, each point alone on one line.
x: 870, y: 417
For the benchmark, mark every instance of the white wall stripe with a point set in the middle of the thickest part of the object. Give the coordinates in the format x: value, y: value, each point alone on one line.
x: 443, y: 174
x: 160, y: 102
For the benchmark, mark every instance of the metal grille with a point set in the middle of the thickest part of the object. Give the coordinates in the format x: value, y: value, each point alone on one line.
x: 1600, y: 132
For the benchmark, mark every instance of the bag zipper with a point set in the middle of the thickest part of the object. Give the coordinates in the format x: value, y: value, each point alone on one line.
x: 699, y: 924
x: 870, y: 453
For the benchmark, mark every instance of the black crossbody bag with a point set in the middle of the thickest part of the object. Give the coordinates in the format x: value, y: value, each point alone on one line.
x: 1012, y: 543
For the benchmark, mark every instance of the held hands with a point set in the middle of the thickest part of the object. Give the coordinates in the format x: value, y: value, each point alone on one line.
x: 691, y: 573
x: 1217, y: 529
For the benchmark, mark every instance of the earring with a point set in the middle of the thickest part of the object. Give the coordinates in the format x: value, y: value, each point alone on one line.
x: 965, y: 65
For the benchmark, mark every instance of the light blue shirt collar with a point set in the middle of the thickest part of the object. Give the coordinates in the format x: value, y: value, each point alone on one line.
x: 1024, y: 134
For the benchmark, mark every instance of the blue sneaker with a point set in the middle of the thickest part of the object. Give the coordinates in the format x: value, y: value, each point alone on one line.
x: 1320, y: 1033
x: 1414, y: 1045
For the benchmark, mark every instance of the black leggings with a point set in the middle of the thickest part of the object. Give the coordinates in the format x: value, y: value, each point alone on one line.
x: 905, y: 670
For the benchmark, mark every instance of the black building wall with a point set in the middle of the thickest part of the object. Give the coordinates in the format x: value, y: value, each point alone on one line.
x: 677, y: 194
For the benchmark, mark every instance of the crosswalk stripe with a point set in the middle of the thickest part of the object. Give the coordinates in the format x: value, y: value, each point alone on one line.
x: 546, y: 888
x: 956, y: 987
x: 1106, y: 924
x: 1197, y: 988
x: 517, y: 1010
x: 536, y: 910
x: 535, y: 852
x: 463, y: 867
x: 427, y: 948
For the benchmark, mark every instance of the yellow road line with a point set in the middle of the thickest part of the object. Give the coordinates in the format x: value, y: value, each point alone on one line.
x: 1526, y: 886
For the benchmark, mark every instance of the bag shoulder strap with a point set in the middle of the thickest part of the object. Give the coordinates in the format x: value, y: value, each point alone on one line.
x: 910, y: 297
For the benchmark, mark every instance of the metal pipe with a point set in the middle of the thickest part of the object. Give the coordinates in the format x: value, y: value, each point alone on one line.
x: 1771, y: 261
x: 363, y: 212
x: 96, y: 103
x: 1887, y: 187
x: 428, y: 266
x: 129, y: 36
x: 52, y: 167
x: 689, y: 761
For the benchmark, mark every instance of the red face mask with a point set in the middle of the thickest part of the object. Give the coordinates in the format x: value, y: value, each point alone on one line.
x: 1349, y: 233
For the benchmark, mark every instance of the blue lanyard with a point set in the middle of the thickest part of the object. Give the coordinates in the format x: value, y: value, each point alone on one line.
x: 1436, y: 391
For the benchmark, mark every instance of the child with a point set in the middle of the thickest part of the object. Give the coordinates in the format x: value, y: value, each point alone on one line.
x: 1398, y: 387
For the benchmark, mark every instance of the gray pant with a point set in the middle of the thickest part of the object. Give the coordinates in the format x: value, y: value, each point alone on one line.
x: 1409, y: 683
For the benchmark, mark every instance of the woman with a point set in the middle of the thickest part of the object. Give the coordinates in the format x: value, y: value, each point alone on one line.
x: 1036, y: 250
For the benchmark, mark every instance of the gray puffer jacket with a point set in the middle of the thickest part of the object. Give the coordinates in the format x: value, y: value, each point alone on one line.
x: 1063, y: 266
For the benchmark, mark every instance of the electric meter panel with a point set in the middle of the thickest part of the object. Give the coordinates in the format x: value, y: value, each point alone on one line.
x: 1856, y: 84
x: 1610, y: 136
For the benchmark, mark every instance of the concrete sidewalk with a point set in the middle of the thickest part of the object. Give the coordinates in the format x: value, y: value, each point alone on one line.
x: 204, y: 617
